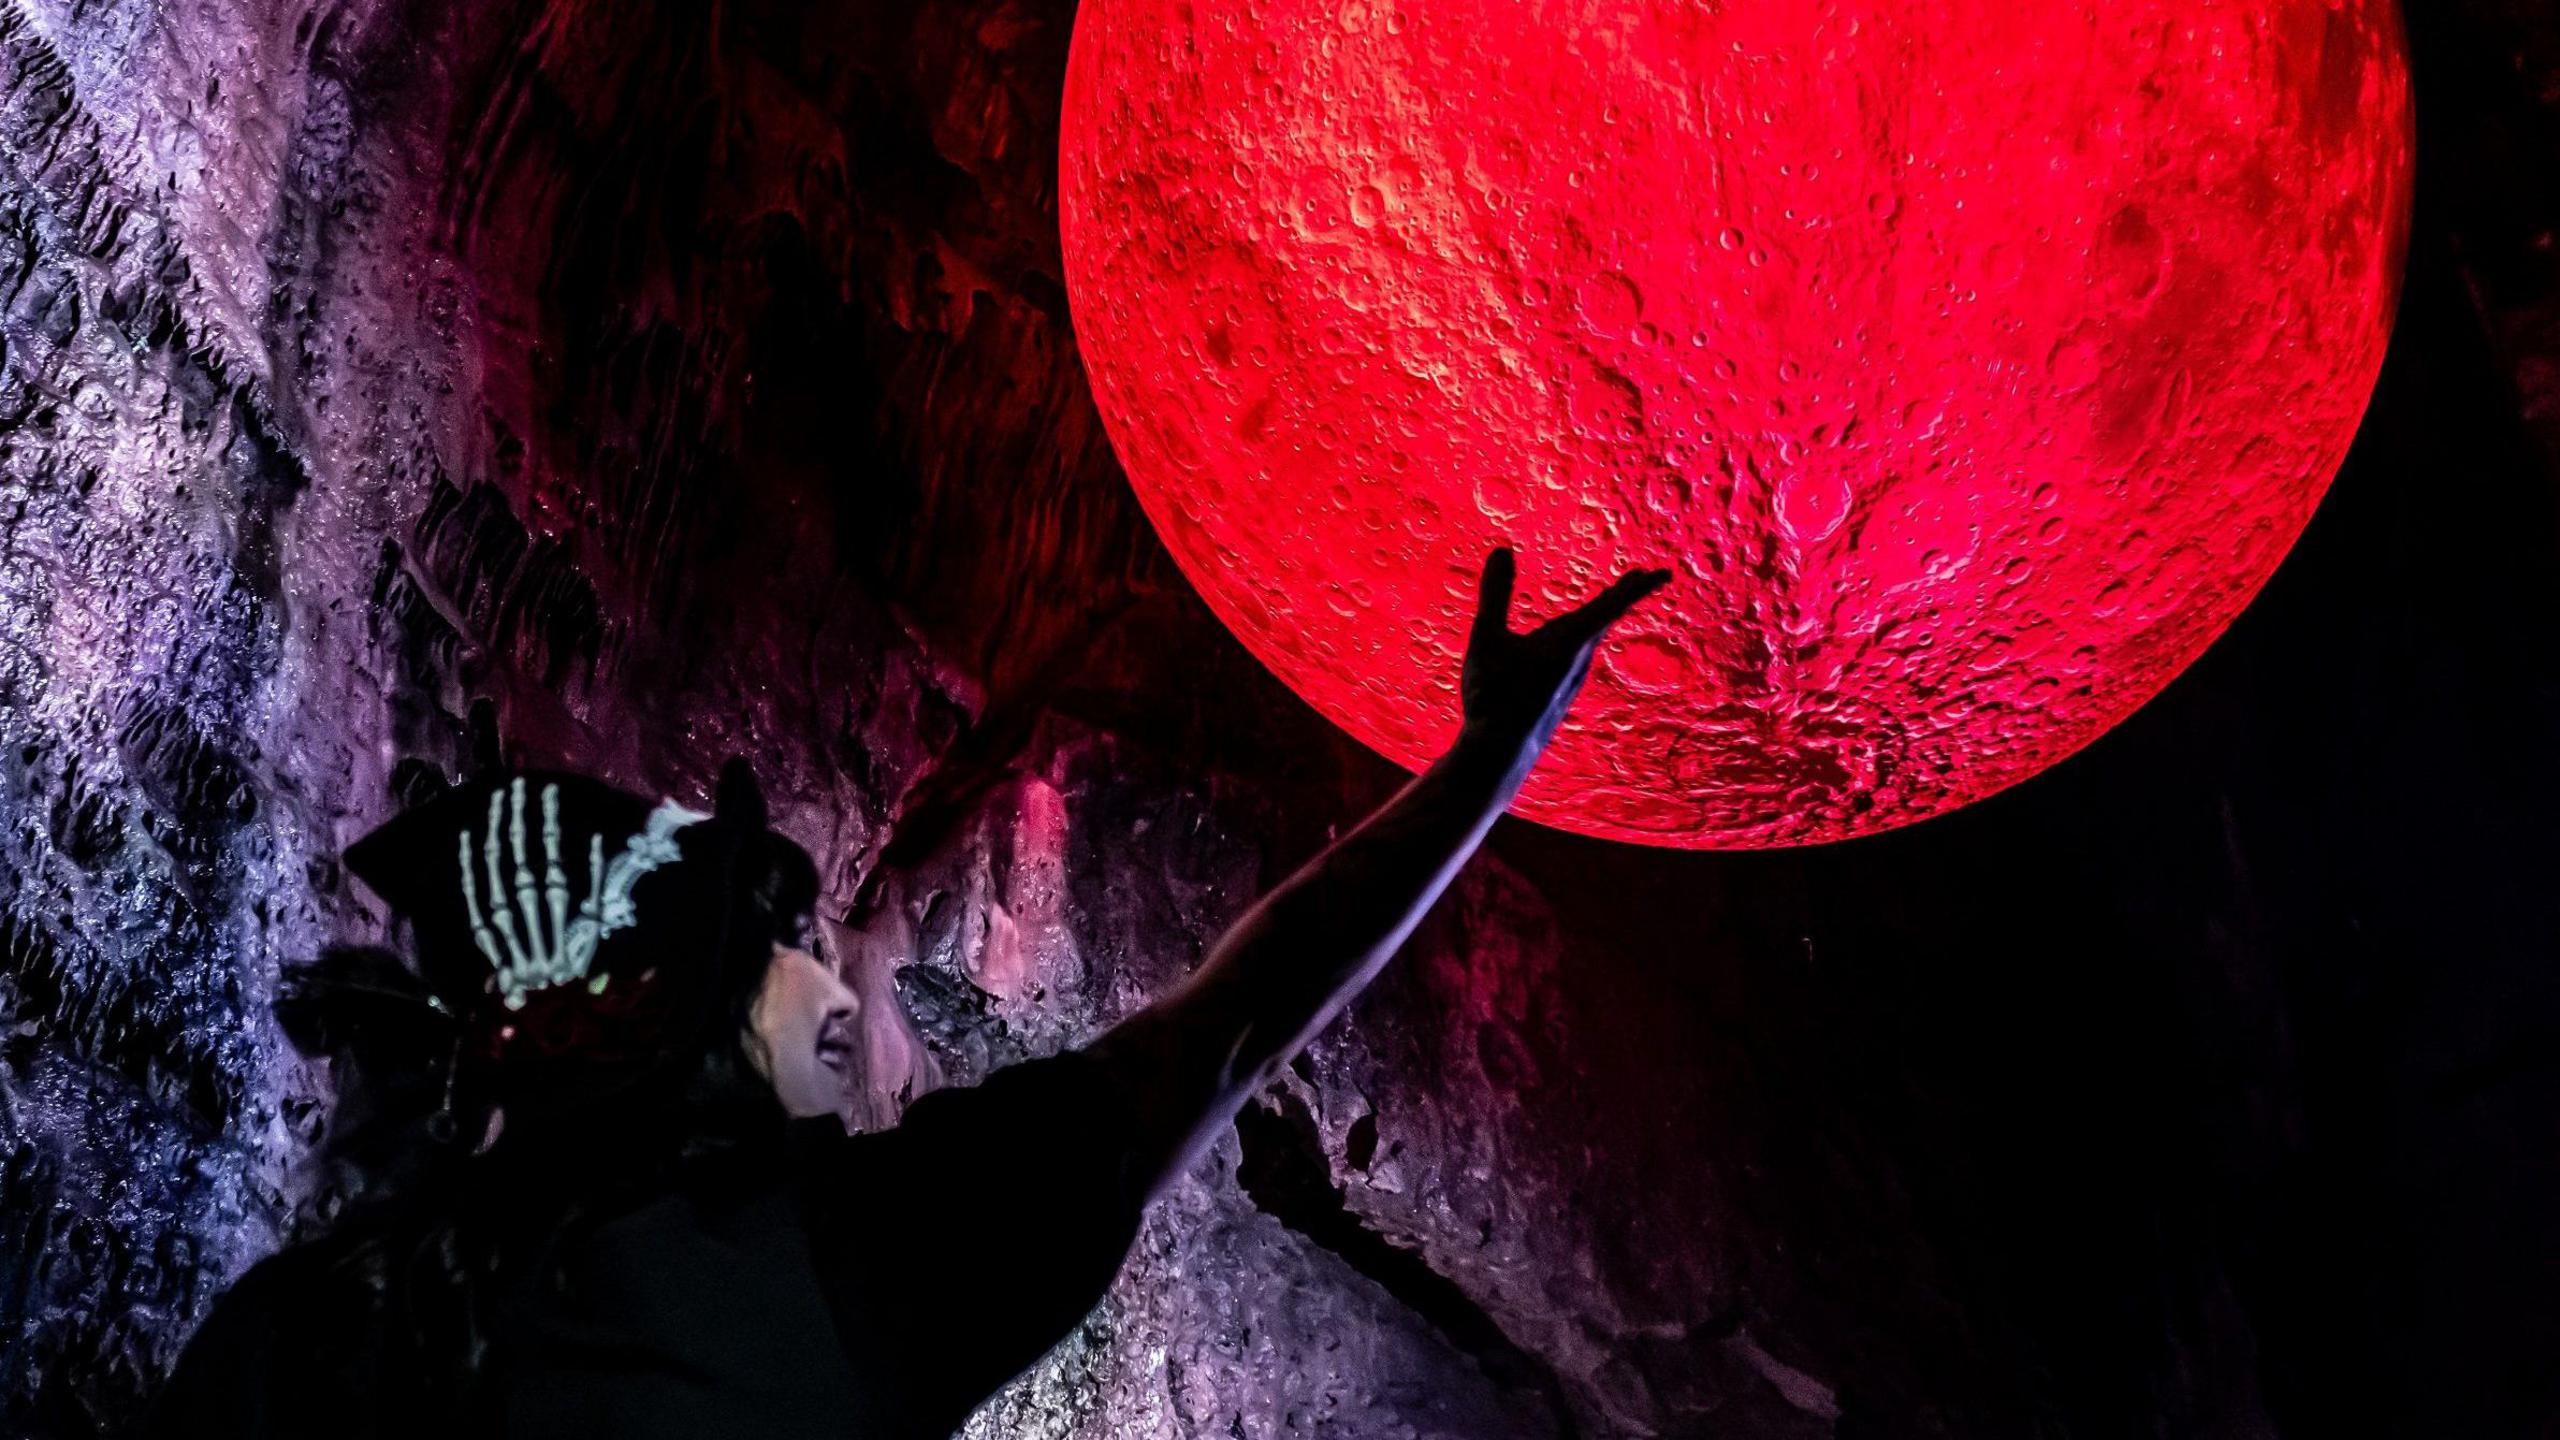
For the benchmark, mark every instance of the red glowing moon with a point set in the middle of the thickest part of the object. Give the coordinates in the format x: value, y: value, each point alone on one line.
x: 1972, y: 363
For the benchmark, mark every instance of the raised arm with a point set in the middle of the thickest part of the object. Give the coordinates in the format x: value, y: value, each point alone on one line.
x: 1192, y: 1058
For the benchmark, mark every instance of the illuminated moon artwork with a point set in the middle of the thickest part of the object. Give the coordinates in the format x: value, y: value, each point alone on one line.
x: 1971, y: 364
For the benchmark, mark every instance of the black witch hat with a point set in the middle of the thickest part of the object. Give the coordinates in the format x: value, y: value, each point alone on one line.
x: 575, y: 934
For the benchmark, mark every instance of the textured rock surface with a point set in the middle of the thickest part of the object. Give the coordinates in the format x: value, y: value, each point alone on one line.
x: 627, y: 385
x: 1970, y: 366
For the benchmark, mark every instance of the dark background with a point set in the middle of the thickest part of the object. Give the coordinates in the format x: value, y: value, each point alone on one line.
x: 624, y: 385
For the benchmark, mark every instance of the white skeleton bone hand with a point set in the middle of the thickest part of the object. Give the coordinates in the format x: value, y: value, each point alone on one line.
x: 554, y: 947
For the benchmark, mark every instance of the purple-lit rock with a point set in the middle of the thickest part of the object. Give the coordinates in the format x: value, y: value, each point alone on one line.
x: 383, y: 382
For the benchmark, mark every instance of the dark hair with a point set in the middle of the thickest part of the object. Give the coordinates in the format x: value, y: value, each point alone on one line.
x: 422, y: 1226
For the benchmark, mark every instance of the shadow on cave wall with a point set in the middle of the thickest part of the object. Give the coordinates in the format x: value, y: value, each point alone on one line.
x: 655, y: 382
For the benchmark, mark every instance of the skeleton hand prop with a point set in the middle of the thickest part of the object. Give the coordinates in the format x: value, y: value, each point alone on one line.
x: 528, y: 934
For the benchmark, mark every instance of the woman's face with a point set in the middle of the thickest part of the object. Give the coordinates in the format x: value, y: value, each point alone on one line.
x: 800, y: 1032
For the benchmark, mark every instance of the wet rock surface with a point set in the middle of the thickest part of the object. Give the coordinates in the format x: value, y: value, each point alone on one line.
x: 627, y: 386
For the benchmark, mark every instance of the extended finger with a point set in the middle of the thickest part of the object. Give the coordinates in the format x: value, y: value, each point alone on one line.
x: 528, y: 891
x: 501, y: 910
x: 480, y: 933
x: 1594, y: 616
x: 1493, y: 593
x: 555, y: 880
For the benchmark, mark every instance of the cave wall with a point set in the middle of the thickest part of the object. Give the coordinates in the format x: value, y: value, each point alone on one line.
x: 625, y: 386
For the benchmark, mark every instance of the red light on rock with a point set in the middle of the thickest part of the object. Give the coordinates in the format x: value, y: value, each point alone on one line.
x: 1972, y: 364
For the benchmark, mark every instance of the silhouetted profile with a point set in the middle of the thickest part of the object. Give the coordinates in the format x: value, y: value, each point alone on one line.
x: 671, y: 1233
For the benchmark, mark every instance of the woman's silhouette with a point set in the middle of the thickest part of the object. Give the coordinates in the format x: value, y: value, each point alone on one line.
x: 595, y: 1182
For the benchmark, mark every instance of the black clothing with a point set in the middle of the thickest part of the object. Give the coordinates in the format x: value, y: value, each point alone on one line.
x: 858, y: 1287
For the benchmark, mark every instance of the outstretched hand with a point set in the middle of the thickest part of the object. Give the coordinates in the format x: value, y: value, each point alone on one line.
x: 1517, y: 688
x: 1286, y: 969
